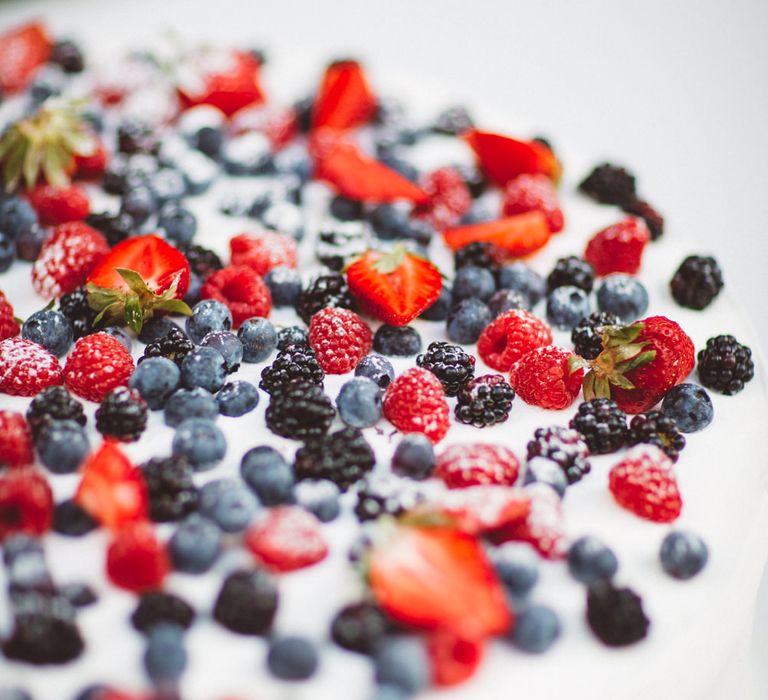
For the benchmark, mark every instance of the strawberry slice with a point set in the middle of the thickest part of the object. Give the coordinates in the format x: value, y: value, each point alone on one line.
x: 436, y: 578
x: 395, y: 287
x: 517, y: 235
x: 503, y: 158
x: 22, y: 51
x: 453, y: 659
x: 344, y: 99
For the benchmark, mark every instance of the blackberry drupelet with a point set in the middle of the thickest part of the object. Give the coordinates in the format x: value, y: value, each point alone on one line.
x: 479, y: 254
x: 725, y: 365
x: 294, y: 363
x: 587, y: 334
x: 201, y: 260
x: 571, y: 271
x: 696, y: 282
x: 174, y: 345
x: 247, y: 602
x: 301, y: 411
x: 616, y: 614
x: 172, y: 492
x: 609, y: 184
x: 122, y: 415
x: 158, y: 606
x: 55, y: 403
x: 342, y: 457
x: 360, y: 627
x: 449, y: 363
x: 603, y: 425
x: 653, y: 220
x: 563, y: 446
x: 656, y: 428
x: 75, y: 307
x: 326, y: 290
x: 484, y: 401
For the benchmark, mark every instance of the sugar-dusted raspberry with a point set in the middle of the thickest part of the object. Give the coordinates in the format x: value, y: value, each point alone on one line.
x: 449, y: 198
x: 26, y: 503
x: 97, y: 364
x: 15, y: 440
x: 415, y: 403
x: 263, y: 250
x: 476, y: 464
x: 340, y: 339
x: 241, y: 290
x: 9, y: 326
x: 136, y: 560
x: 534, y: 193
x: 619, y: 247
x: 510, y: 336
x: 544, y: 378
x: 26, y: 368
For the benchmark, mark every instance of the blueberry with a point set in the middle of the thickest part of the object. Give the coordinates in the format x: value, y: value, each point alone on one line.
x: 14, y: 693
x: 7, y: 251
x: 229, y: 345
x: 201, y: 441
x: 248, y: 154
x: 196, y: 545
x: 345, y: 209
x: 199, y: 171
x: 467, y: 320
x: 16, y: 215
x: 441, y: 308
x: 397, y: 341
x: 291, y: 335
x: 376, y: 368
x: 156, y: 328
x: 168, y: 185
x: 189, y: 403
x: 566, y: 306
x: 79, y: 595
x: 179, y: 224
x: 62, y: 445
x: 266, y: 472
x: 589, y: 560
x: 319, y: 497
x: 208, y: 140
x: 683, y: 555
x: 139, y: 203
x: 546, y: 471
x: 690, y: 406
x: 284, y: 284
x: 204, y: 367
x: 26, y: 568
x: 521, y: 278
x: 293, y: 160
x: 30, y: 241
x: 208, y: 315
x: 156, y: 378
x: 507, y: 300
x: 387, y: 691
x: 258, y: 338
x: 472, y: 282
x: 122, y: 335
x: 359, y: 402
x: 517, y: 567
x: 402, y: 662
x: 71, y: 520
x: 228, y: 503
x: 390, y: 222
x: 292, y: 658
x: 237, y: 398
x: 623, y: 295
x: 49, y: 328
x: 536, y: 629
x: 165, y: 658
x: 414, y: 457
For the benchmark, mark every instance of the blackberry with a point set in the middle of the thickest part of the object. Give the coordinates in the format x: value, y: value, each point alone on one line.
x: 609, y: 184
x: 484, y: 401
x: 571, y: 271
x: 360, y: 627
x: 294, y: 363
x: 158, y: 606
x: 725, y: 365
x: 479, y: 254
x: 67, y: 54
x: 54, y: 403
x: 587, y: 334
x: 656, y: 428
x: 71, y: 520
x: 449, y: 363
x: 292, y: 335
x: 301, y: 411
x: 75, y: 307
x: 565, y: 447
x: 696, y: 282
x: 342, y: 457
x: 115, y: 227
x: 122, y: 415
x: 78, y: 595
x: 247, y: 602
x: 336, y: 248
x: 653, y: 220
x: 453, y: 121
x: 383, y: 496
x: 201, y: 260
x: 134, y: 136
x: 616, y: 615
x: 174, y: 345
x: 172, y: 492
x: 326, y: 290
x: 603, y: 425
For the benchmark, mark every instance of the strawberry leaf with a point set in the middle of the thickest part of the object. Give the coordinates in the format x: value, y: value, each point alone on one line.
x: 133, y: 313
x: 602, y: 387
x: 135, y: 281
x: 173, y: 306
x: 620, y: 381
x: 637, y: 361
x: 588, y: 386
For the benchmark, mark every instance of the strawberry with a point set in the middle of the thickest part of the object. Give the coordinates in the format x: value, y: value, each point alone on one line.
x: 22, y: 51
x: 93, y: 165
x: 503, y: 158
x: 66, y: 258
x: 241, y: 290
x: 449, y: 198
x: 476, y: 464
x: 437, y: 579
x: 644, y: 483
x: 482, y: 509
x: 26, y: 503
x: 453, y: 659
x: 59, y: 205
x: 97, y: 364
x: 288, y: 538
x: 533, y: 193
x: 9, y: 326
x: 517, y: 236
x: 26, y: 368
x: 415, y: 403
x: 15, y: 440
x: 136, y: 561
x: 263, y: 250
x: 395, y: 287
x: 618, y: 248
x: 340, y: 339
x: 112, y: 490
x: 510, y: 336
x: 544, y: 377
x: 344, y: 99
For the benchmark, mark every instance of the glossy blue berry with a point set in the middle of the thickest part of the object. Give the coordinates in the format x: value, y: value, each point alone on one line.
x: 319, y: 497
x: 208, y: 315
x: 376, y: 368
x: 536, y: 629
x: 507, y: 300
x: 521, y: 278
x: 179, y: 224
x: 168, y: 186
x: 590, y: 560
x: 228, y: 503
x: 139, y: 203
x: 623, y: 295
x: 292, y: 658
x: 201, y: 441
x: 441, y: 307
x: 165, y: 657
x: 237, y: 398
x: 397, y: 341
x: 690, y: 407
x: 156, y: 379
x: 259, y: 339
x: 229, y: 345
x: 402, y: 662
x: 467, y: 320
x: 683, y: 555
x: 359, y: 402
x: 204, y: 367
x: 517, y: 567
x: 189, y: 403
x: 62, y: 445
x: 51, y: 329
x: 414, y: 457
x: 540, y: 470
x: 196, y: 545
x: 268, y: 475
x: 566, y: 306
x: 472, y: 282
x: 284, y: 284
x: 16, y: 215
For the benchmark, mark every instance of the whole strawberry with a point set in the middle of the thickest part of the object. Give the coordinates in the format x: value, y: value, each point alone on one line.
x: 618, y: 248
x: 415, y: 403
x: 59, y: 205
x: 510, y: 336
x: 449, y: 198
x: 460, y: 466
x: 545, y: 377
x: 9, y: 326
x: 340, y: 339
x: 534, y: 193
x: 26, y: 368
x: 97, y: 364
x: 241, y: 290
x: 263, y: 250
x: 15, y: 440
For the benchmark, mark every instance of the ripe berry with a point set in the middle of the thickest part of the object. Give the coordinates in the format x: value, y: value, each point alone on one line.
x: 174, y: 345
x: 122, y: 415
x: 609, y: 184
x: 97, y: 364
x: 449, y: 198
x: 26, y: 503
x: 360, y: 627
x: 376, y: 368
x: 563, y: 446
x: 449, y: 363
x: 511, y: 336
x: 397, y: 341
x: 59, y: 205
x: 618, y: 248
x: 590, y: 560
x: 467, y: 320
x: 683, y: 555
x: 543, y: 378
x: 603, y: 425
x: 157, y: 607
x: 26, y: 368
x: 724, y: 365
x: 616, y: 615
x: 342, y: 457
x: 460, y: 466
x: 624, y: 296
x: 263, y: 251
x: 9, y: 326
x: 453, y: 660
x: 566, y: 306
x: 136, y: 560
x: 293, y: 363
x: 300, y: 411
x: 292, y: 658
x: 696, y: 282
x: 50, y: 329
x: 15, y: 440
x: 656, y: 428
x: 340, y: 339
x: 571, y: 272
x: 61, y: 445
x: 484, y: 401
x: 170, y: 489
x: 689, y: 406
x: 536, y: 628
x: 359, y: 402
x: 587, y: 334
x: 326, y: 290
x: 247, y: 602
x: 534, y: 193
x: 241, y: 290
x: 415, y: 403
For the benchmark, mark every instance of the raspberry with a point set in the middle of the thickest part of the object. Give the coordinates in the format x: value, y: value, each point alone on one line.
x: 725, y: 365
x: 511, y: 336
x: 94, y: 165
x: 241, y: 290
x: 66, y: 258
x: 9, y: 326
x: 415, y: 403
x: 484, y: 401
x: 26, y: 368
x: 449, y: 363
x: 476, y: 464
x: 453, y: 659
x: 618, y: 248
x: 609, y: 184
x: 97, y: 364
x: 543, y: 378
x: 59, y: 205
x: 288, y: 538
x: 616, y: 614
x: 15, y: 440
x: 534, y: 193
x: 136, y: 560
x: 657, y: 428
x: 342, y: 457
x: 449, y: 198
x: 263, y: 251
x: 644, y: 483
x: 340, y: 339
x: 26, y: 503
x: 696, y: 282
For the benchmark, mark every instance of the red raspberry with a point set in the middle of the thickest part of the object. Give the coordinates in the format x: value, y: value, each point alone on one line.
x: 15, y: 440
x: 534, y: 193
x: 26, y: 368
x: 618, y: 248
x: 449, y: 198
x: 9, y: 326
x: 263, y: 250
x: 477, y: 464
x: 59, y: 205
x: 136, y: 560
x: 340, y: 339
x: 543, y: 378
x: 644, y: 483
x: 241, y: 290
x: 97, y: 364
x: 510, y: 336
x: 26, y: 503
x: 66, y: 258
x: 92, y: 166
x: 415, y: 403
x: 485, y: 509
x: 288, y: 538
x: 453, y: 660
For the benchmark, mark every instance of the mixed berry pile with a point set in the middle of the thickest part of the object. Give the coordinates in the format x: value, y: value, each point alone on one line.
x: 137, y: 317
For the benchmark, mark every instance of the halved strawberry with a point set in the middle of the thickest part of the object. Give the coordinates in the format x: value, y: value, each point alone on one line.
x: 503, y: 158
x: 22, y: 51
x: 517, y: 235
x: 344, y: 99
x: 397, y: 286
x: 453, y: 659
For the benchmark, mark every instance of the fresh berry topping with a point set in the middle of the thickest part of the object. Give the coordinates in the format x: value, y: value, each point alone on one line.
x: 689, y: 406
x: 171, y: 491
x: 9, y: 326
x: 61, y: 445
x: 466, y: 321
x: 653, y: 220
x: 616, y: 615
x: 449, y: 363
x: 563, y: 446
x: 587, y: 334
x: 517, y: 566
x: 696, y: 282
x: 292, y: 658
x: 484, y: 510
x: 397, y: 341
x: 453, y: 659
x: 76, y: 308
x: 602, y: 424
x: 360, y: 627
x: 590, y: 560
x: 479, y: 254
x: 22, y: 51
x: 472, y: 282
x: 241, y: 290
x: 683, y: 555
x: 449, y: 198
x: 300, y: 410
x: 15, y: 440
x: 656, y: 428
x: 26, y: 368
x: 59, y: 205
x: 537, y: 627
x: 344, y: 98
x: 609, y: 184
x: 157, y: 607
x: 511, y: 336
x: 533, y: 193
x: 566, y: 306
x: 623, y: 295
x: 484, y: 401
x: 26, y: 503
x: 377, y: 497
x: 476, y: 464
x: 415, y: 403
x: 136, y: 560
x: 326, y: 290
x: 571, y: 271
x: 359, y: 402
x: 263, y: 251
x: 174, y: 345
x: 122, y: 415
x: 618, y: 248
x: 519, y: 277
x: 97, y: 364
x: 725, y: 365
x: 196, y: 545
x: 50, y: 329
x: 342, y: 457
x: 544, y: 378
x: 293, y: 363
x: 202, y: 261
x: 247, y: 602
x: 321, y: 498
x: 402, y: 663
x: 517, y: 235
x: 54, y: 403
x: 340, y: 339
